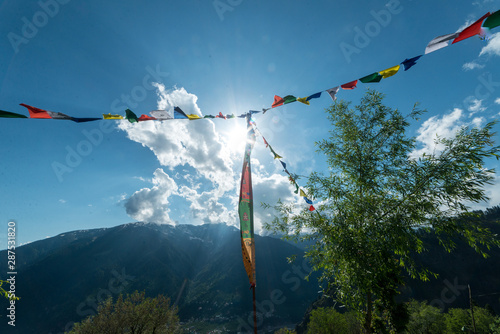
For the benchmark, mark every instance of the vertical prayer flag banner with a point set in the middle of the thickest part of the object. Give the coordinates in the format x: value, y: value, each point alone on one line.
x: 245, y: 208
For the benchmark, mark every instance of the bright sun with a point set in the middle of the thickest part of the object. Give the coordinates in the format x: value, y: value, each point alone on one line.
x: 236, y: 137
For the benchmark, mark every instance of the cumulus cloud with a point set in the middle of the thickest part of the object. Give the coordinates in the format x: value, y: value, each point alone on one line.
x: 493, y: 46
x: 497, y: 101
x: 152, y: 204
x: 444, y: 127
x: 194, y: 145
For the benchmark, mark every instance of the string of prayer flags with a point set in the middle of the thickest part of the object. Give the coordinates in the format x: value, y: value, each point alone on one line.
x: 8, y: 114
x: 472, y: 30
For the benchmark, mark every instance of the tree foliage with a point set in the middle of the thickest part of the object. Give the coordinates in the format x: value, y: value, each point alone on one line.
x: 377, y: 199
x: 328, y: 320
x: 133, y: 314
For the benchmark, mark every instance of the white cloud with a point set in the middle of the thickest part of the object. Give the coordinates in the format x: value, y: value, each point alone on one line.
x: 476, y: 106
x: 195, y: 145
x: 472, y: 65
x: 152, y: 204
x: 493, y: 46
x: 497, y: 101
x: 446, y: 127
x: 62, y: 201
x: 177, y: 143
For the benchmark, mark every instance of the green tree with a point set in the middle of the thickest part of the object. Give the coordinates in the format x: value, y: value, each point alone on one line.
x: 495, y: 326
x: 328, y: 320
x: 424, y: 319
x: 133, y: 314
x: 377, y: 200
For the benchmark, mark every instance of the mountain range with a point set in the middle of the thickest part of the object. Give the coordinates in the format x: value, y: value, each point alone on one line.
x: 61, y: 280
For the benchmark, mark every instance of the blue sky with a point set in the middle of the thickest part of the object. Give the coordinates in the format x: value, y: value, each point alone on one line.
x: 89, y: 58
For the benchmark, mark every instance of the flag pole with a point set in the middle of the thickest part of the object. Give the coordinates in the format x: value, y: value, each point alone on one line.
x: 254, y: 310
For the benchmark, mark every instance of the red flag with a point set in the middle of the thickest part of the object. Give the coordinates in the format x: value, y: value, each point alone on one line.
x: 350, y: 85
x: 278, y: 101
x: 265, y: 142
x: 36, y: 112
x: 146, y: 118
x: 311, y: 208
x: 473, y: 29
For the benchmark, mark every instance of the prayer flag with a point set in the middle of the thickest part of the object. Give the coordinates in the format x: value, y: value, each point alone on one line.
x: 350, y: 85
x: 408, y: 63
x: 439, y: 42
x: 374, y: 77
x: 36, y: 112
x: 390, y: 71
x: 333, y: 92
x: 289, y: 99
x: 245, y: 208
x: 145, y: 118
x: 303, y: 100
x: 85, y: 119
x: 492, y: 21
x: 179, y: 114
x: 193, y: 117
x: 311, y: 208
x: 308, y: 201
x: 473, y: 29
x: 161, y: 114
x: 314, y: 96
x: 129, y: 114
x: 278, y: 101
x: 302, y: 193
x: 8, y: 114
x: 283, y: 164
x: 109, y: 116
x: 58, y: 115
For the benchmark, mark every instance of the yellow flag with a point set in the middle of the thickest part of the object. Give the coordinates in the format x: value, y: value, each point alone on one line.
x: 109, y: 116
x: 390, y: 71
x: 302, y: 193
x: 193, y: 116
x: 303, y: 100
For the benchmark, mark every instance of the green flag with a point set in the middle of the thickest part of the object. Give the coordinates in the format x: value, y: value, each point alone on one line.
x: 8, y: 114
